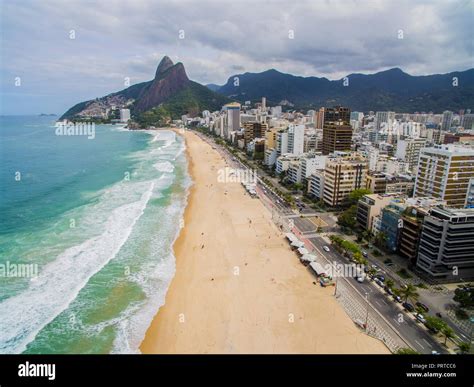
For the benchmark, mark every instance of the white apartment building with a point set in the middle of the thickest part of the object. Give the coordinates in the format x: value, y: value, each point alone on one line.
x: 270, y: 156
x: 295, y: 172
x: 283, y: 163
x: 409, y: 151
x: 316, y: 184
x: 444, y: 172
x: 124, y: 115
x: 282, y: 143
x: 296, y: 139
x: 384, y: 120
x: 311, y: 162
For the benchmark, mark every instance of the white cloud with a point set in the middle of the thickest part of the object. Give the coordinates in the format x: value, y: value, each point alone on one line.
x: 119, y: 38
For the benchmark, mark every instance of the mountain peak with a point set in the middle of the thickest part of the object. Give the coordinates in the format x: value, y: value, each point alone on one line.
x: 164, y: 65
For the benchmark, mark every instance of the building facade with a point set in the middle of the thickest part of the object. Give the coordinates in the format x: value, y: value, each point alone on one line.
x: 444, y: 172
x: 446, y: 250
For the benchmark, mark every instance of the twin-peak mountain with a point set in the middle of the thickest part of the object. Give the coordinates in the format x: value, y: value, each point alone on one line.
x: 168, y: 96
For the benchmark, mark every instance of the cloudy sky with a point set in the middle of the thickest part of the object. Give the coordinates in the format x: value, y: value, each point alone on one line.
x: 55, y: 53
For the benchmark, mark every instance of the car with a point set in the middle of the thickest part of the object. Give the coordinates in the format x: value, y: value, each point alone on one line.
x: 422, y: 306
x: 388, y: 290
x: 397, y: 298
x: 364, y: 254
x: 389, y: 264
x: 409, y: 307
x: 378, y: 282
x: 360, y: 279
x: 380, y: 277
x: 375, y: 267
x: 435, y: 353
x: 326, y: 248
x: 420, y: 318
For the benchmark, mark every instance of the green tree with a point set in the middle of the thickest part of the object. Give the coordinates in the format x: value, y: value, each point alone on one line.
x: 358, y: 257
x: 435, y: 323
x: 348, y: 217
x: 406, y: 351
x: 357, y: 194
x: 464, y: 347
x: 464, y: 297
x: 380, y: 240
x: 409, y: 292
x: 389, y: 283
x: 448, y: 333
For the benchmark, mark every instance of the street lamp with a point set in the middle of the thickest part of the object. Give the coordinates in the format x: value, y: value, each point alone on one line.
x: 367, y: 311
x: 336, y: 272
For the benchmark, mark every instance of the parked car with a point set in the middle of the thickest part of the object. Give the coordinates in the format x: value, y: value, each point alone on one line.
x: 409, y: 307
x: 397, y: 298
x: 360, y: 279
x: 375, y: 267
x: 378, y: 282
x: 364, y: 254
x: 388, y: 290
x: 422, y: 306
x: 326, y: 248
x: 380, y: 277
x: 420, y: 318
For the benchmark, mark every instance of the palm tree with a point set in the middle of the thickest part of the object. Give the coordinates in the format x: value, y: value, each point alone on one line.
x: 358, y: 257
x: 448, y: 333
x: 389, y: 283
x: 409, y: 292
x: 380, y: 239
x: 464, y: 347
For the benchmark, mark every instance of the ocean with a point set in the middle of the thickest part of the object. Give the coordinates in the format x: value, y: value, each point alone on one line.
x: 97, y: 218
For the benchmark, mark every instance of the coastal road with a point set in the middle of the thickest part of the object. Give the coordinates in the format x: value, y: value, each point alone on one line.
x: 412, y: 331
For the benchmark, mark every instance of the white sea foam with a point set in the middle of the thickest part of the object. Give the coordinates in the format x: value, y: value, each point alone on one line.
x: 154, y: 282
x: 164, y: 166
x: 163, y: 135
x: 59, y: 282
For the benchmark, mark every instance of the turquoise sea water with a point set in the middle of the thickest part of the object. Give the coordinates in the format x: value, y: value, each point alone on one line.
x: 98, y: 217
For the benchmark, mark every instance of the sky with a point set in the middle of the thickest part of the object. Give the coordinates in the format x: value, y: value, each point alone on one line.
x: 56, y: 53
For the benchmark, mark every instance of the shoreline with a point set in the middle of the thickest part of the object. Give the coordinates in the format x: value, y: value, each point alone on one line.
x: 238, y: 288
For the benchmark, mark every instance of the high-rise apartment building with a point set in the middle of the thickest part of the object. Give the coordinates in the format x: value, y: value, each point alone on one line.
x: 253, y: 130
x: 338, y: 113
x: 382, y: 118
x: 124, y: 115
x: 409, y: 151
x: 232, y: 118
x: 337, y: 136
x: 296, y: 139
x: 447, y: 120
x: 444, y: 172
x: 342, y: 176
x: 282, y: 142
x: 446, y: 248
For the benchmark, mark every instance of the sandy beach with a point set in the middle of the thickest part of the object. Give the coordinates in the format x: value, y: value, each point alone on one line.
x: 238, y: 287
